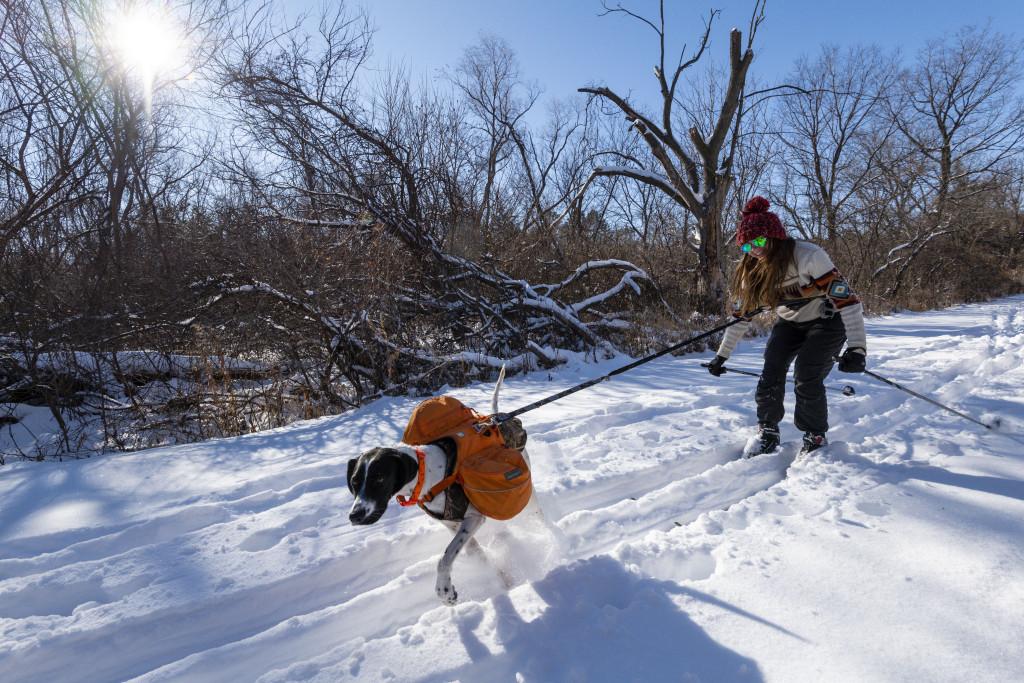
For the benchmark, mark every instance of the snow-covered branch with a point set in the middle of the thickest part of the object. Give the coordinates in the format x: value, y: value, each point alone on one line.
x: 918, y: 243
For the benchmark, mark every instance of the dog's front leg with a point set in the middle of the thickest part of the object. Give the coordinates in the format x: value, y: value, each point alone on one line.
x: 469, y: 526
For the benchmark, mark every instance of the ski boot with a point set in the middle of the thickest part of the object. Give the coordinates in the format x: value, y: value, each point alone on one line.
x: 766, y: 441
x: 812, y: 442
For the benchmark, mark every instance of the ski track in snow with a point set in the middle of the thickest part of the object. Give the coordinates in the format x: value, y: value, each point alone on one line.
x: 222, y: 579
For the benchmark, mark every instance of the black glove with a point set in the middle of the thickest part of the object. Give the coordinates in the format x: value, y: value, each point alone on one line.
x: 715, y: 366
x: 852, y: 361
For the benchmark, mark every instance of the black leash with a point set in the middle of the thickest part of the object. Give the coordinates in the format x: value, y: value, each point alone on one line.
x: 845, y: 391
x: 501, y: 417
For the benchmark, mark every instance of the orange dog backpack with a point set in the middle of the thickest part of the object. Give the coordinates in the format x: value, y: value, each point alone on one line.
x: 496, y: 478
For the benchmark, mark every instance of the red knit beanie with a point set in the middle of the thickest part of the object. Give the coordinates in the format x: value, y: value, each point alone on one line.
x: 758, y: 221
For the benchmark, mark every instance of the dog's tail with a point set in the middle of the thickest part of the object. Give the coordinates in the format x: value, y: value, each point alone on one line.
x: 497, y: 388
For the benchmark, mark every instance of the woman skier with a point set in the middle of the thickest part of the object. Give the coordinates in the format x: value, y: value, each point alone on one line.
x: 817, y: 310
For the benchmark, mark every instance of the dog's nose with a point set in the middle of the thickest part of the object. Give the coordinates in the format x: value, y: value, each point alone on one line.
x: 365, y: 512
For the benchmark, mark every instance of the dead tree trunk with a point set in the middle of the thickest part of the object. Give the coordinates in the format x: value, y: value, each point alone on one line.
x: 698, y: 176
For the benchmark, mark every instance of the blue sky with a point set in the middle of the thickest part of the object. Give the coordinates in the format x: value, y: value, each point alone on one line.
x: 564, y: 44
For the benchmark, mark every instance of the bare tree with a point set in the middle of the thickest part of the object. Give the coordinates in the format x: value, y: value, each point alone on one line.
x: 696, y: 173
x: 45, y: 150
x: 963, y: 113
x: 516, y: 177
x: 488, y: 78
x: 833, y: 129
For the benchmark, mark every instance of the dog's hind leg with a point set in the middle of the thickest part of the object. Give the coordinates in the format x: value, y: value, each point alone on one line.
x: 470, y: 525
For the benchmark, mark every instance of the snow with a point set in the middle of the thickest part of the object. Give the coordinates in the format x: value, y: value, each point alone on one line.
x: 893, y: 555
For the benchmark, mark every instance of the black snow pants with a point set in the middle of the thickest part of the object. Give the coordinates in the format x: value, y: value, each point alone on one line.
x: 813, y: 345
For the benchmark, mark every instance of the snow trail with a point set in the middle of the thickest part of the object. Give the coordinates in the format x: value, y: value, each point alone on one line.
x: 892, y: 555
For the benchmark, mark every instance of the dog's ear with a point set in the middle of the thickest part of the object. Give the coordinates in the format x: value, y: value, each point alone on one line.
x: 351, y: 471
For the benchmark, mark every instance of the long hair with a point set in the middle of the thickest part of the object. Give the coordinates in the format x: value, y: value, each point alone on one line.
x: 757, y: 282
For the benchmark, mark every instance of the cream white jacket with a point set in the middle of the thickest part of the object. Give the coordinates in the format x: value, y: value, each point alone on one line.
x: 811, y: 288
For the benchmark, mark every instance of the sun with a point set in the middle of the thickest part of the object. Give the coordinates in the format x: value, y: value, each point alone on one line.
x: 146, y: 40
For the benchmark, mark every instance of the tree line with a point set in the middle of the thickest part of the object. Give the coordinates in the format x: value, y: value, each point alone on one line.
x: 280, y: 233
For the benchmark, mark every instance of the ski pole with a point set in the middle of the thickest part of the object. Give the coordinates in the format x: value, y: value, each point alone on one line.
x: 845, y: 391
x: 934, y: 403
x: 501, y: 417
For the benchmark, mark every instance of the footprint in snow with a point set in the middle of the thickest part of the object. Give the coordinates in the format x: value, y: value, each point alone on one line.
x: 264, y: 539
x: 873, y: 509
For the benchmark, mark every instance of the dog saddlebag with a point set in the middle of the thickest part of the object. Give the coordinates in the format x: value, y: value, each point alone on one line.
x: 495, y: 478
x: 437, y: 417
x: 496, y: 481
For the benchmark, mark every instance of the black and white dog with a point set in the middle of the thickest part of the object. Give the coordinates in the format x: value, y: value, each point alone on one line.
x: 380, y: 474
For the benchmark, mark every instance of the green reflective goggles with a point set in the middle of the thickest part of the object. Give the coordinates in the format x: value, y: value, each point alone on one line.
x: 756, y: 242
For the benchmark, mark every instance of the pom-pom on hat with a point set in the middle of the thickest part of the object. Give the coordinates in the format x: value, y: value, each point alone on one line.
x: 758, y: 221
